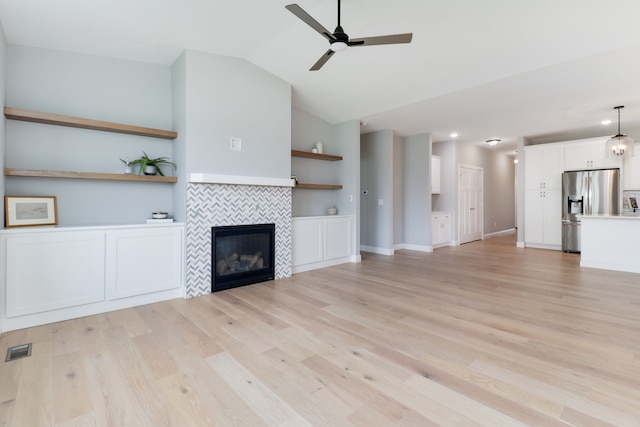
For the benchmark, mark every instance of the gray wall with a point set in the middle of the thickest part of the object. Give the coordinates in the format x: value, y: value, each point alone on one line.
x: 306, y: 130
x: 417, y: 197
x: 92, y: 87
x: 232, y: 98
x: 398, y: 191
x: 347, y: 139
x: 179, y: 152
x: 376, y: 163
x: 499, y: 185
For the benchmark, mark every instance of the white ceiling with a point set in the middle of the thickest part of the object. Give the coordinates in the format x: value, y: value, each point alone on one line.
x: 543, y: 69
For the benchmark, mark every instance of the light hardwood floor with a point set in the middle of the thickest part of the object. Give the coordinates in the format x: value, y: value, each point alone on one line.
x: 480, y: 334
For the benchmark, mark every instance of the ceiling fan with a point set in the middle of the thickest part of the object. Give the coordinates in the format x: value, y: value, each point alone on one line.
x: 339, y: 40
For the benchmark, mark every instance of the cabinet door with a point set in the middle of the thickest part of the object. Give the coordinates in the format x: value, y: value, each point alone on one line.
x: 445, y: 235
x: 534, y: 217
x: 435, y: 174
x: 553, y: 166
x: 54, y: 271
x: 337, y: 238
x: 631, y: 173
x: 599, y: 158
x: 576, y: 157
x: 552, y: 217
x: 436, y: 226
x: 306, y: 241
x: 143, y: 261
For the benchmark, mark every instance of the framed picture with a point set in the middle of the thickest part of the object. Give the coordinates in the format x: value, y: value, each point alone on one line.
x: 23, y: 211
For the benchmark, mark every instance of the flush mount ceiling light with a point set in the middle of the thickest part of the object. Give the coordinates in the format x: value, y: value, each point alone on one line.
x: 619, y: 145
x: 492, y: 142
x: 454, y: 135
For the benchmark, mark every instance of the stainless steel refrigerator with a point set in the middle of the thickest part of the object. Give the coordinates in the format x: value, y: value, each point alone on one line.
x: 587, y: 193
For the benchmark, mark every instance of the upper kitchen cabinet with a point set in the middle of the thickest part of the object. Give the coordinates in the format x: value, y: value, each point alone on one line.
x: 631, y: 173
x: 588, y: 154
x: 544, y: 166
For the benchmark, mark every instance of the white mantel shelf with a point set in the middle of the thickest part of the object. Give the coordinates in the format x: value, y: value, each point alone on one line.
x: 208, y: 178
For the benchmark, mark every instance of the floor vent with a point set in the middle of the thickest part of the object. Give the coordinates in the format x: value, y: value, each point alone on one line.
x: 18, y: 352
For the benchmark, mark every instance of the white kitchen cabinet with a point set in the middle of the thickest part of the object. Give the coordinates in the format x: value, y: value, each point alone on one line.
x: 631, y: 172
x: 436, y: 162
x: 61, y: 273
x: 320, y: 241
x: 588, y: 154
x: 440, y: 229
x: 543, y: 195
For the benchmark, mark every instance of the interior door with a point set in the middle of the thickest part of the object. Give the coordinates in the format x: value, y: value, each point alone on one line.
x: 470, y: 209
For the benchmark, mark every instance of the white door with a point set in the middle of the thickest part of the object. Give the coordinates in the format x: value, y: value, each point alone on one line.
x: 469, y: 204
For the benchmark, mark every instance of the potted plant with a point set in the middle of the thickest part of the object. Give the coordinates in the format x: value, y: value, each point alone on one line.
x: 150, y: 166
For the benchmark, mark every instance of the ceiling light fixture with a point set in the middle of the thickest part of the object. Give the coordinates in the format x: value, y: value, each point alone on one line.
x: 605, y: 122
x: 619, y: 145
x: 454, y: 135
x: 493, y: 142
x: 338, y: 46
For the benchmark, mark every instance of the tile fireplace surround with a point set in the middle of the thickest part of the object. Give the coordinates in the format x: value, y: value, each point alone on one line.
x: 214, y: 200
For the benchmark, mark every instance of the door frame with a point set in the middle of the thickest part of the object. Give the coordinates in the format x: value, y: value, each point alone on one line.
x: 481, y: 201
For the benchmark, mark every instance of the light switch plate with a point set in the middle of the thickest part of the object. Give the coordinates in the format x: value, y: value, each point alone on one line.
x: 236, y: 144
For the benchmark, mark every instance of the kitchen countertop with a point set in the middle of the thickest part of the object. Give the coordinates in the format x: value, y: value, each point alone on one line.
x: 625, y: 216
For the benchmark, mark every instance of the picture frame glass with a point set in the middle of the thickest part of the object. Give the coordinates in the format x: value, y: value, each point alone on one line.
x: 23, y: 211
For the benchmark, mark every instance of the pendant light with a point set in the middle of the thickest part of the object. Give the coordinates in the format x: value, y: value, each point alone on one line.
x: 619, y: 145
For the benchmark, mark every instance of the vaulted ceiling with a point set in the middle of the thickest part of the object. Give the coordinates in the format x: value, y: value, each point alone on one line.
x: 543, y: 69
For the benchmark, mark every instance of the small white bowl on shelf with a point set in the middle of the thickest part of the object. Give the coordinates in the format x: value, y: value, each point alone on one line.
x: 159, y: 215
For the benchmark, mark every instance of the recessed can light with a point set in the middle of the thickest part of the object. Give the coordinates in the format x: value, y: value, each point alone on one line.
x: 605, y: 122
x: 454, y: 135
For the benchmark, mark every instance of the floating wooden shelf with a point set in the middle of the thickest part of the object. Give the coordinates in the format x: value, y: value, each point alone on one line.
x: 88, y: 175
x: 76, y: 122
x: 310, y: 155
x: 319, y: 186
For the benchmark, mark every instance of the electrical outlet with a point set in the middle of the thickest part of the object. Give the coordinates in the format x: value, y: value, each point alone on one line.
x: 236, y: 144
x: 380, y: 202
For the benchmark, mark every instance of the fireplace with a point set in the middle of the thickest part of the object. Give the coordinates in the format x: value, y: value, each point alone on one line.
x: 241, y: 255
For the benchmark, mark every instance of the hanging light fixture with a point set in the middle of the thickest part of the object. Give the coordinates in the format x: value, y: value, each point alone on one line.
x: 619, y: 145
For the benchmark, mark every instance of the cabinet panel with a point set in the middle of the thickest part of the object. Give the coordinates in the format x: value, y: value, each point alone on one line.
x: 440, y: 228
x: 337, y: 238
x: 588, y: 154
x: 54, y: 271
x: 307, y: 241
x: 143, y: 261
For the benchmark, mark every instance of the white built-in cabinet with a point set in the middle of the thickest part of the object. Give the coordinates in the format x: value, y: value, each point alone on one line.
x: 543, y: 195
x: 588, y: 154
x: 320, y: 241
x: 435, y: 174
x: 440, y: 229
x: 54, y: 274
x: 631, y: 172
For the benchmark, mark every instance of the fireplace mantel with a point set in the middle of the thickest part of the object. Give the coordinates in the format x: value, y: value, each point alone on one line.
x: 209, y: 178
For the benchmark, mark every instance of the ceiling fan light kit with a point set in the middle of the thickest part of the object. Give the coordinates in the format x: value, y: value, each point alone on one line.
x: 339, y: 40
x: 619, y: 145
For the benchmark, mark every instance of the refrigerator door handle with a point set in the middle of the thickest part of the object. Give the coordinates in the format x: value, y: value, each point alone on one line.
x: 588, y: 208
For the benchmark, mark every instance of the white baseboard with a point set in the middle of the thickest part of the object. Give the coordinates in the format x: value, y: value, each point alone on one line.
x: 321, y: 264
x: 519, y: 244
x: 497, y: 233
x: 356, y: 258
x: 375, y: 250
x: 412, y: 247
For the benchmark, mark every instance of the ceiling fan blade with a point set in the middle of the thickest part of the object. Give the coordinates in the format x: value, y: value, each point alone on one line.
x: 323, y: 59
x: 390, y: 39
x: 307, y: 19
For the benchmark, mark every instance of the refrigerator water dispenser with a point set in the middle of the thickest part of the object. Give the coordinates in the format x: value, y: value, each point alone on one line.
x: 574, y: 205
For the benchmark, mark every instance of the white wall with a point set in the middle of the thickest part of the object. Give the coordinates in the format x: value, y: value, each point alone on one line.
x: 97, y: 88
x: 398, y: 191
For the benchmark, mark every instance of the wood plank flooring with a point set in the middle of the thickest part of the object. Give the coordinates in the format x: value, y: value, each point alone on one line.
x: 483, y: 334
